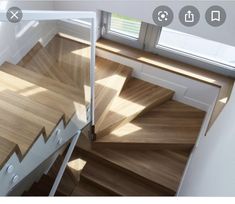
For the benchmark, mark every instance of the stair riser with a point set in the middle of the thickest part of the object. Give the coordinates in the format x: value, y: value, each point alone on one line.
x: 86, y: 155
x: 141, y: 146
x: 108, y: 130
x: 103, y: 188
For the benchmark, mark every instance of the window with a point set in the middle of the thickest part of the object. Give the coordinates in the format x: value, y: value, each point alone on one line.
x: 125, y: 26
x: 196, y: 47
x: 124, y: 29
x: 187, y: 48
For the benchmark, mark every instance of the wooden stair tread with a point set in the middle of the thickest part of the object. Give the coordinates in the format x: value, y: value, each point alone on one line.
x: 74, y: 59
x: 110, y: 79
x: 6, y: 149
x: 30, y: 110
x: 137, y: 97
x: 41, y: 62
x: 84, y: 188
x: 15, y: 128
x: 119, y: 183
x: 171, y: 124
x: 161, y: 167
x: 42, y: 95
x: 45, y: 82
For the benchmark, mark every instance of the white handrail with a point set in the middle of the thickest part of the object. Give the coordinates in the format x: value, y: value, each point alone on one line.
x: 50, y: 15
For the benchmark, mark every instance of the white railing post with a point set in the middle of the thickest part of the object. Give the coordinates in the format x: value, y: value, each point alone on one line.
x: 92, y: 68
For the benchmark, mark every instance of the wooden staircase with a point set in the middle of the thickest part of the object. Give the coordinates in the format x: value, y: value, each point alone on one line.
x: 143, y: 137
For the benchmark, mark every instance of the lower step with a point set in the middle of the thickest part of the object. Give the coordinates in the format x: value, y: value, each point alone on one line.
x: 86, y: 188
x: 42, y: 188
x: 172, y: 125
x: 161, y: 169
x: 117, y: 182
x: 44, y: 185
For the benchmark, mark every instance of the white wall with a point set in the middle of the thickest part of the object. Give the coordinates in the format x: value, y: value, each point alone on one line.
x: 18, y: 39
x: 143, y: 10
x: 211, y: 170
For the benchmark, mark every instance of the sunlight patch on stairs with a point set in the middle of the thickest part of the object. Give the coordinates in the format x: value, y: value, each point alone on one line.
x: 126, y: 130
x: 106, y: 81
x: 224, y: 100
x: 33, y: 91
x: 77, y: 164
x: 128, y: 109
x: 81, y: 50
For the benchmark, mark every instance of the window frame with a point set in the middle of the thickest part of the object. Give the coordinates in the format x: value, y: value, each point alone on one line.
x: 190, y: 58
x: 120, y: 38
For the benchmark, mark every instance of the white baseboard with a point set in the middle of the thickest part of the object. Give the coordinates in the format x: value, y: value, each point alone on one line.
x: 44, y: 40
x: 4, y: 55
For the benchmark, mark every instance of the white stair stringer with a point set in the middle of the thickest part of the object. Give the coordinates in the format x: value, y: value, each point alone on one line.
x: 39, y: 152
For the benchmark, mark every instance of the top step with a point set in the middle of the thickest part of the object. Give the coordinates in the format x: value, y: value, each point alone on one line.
x: 72, y: 57
x: 41, y: 62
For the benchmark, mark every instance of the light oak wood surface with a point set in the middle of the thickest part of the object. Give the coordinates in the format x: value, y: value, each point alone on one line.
x: 43, y: 63
x: 110, y: 79
x: 160, y: 168
x: 19, y: 130
x: 137, y: 97
x: 74, y: 59
x: 171, y: 125
x: 45, y: 82
x: 29, y: 110
x: 42, y: 95
x: 117, y: 182
x: 7, y: 148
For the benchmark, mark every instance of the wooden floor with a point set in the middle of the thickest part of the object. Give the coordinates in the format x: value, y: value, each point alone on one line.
x: 143, y: 137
